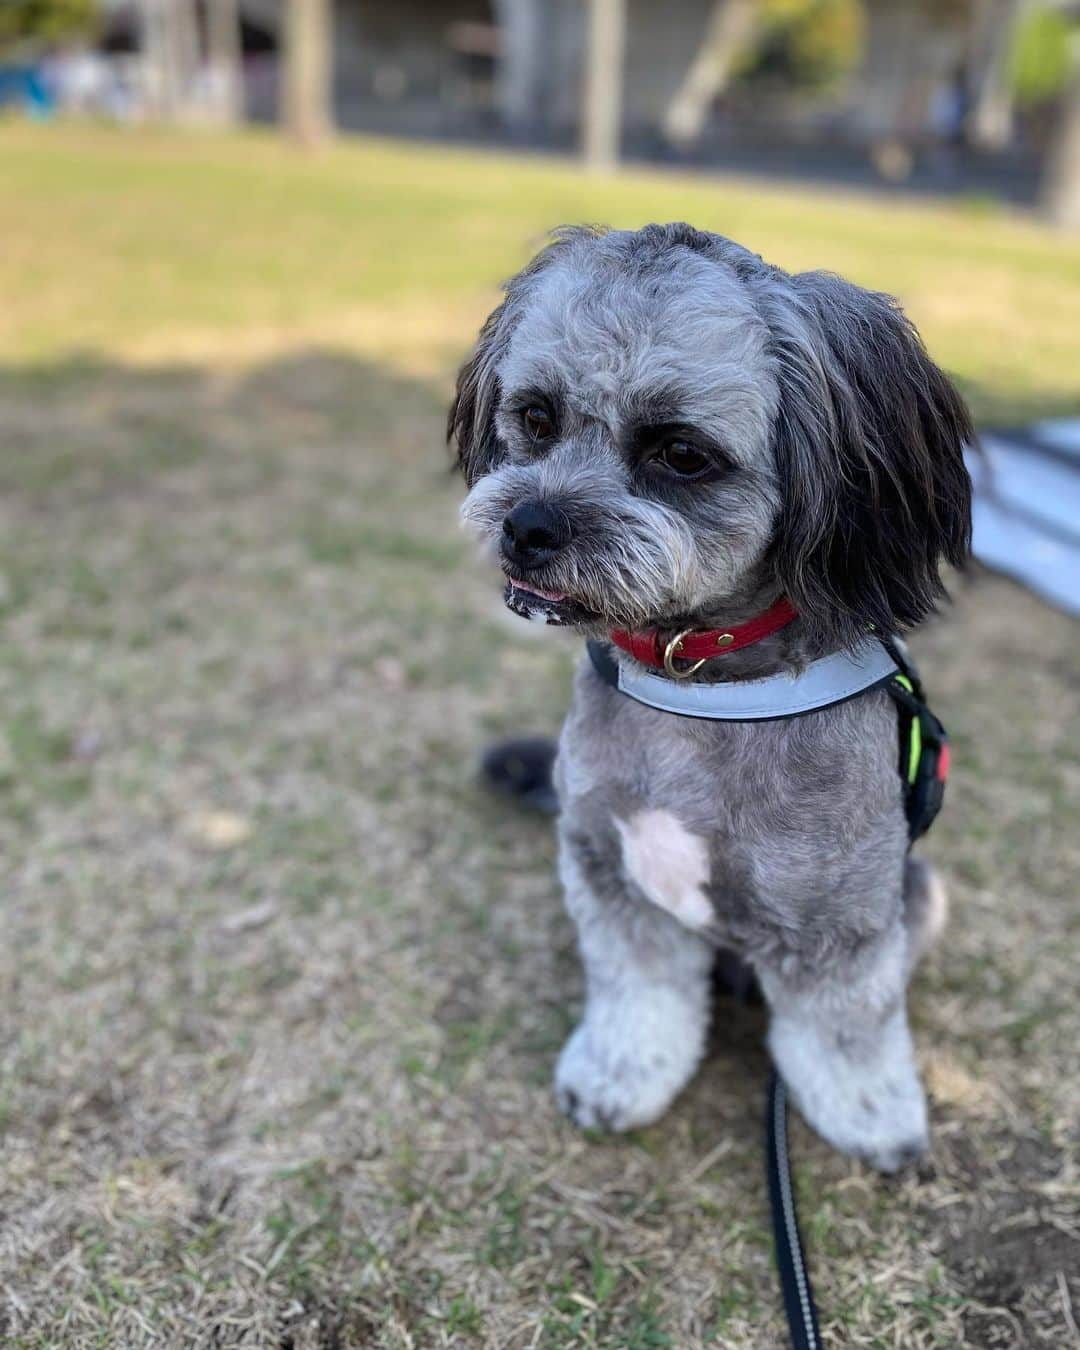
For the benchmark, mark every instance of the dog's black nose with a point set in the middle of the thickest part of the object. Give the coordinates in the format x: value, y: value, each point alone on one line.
x: 533, y: 532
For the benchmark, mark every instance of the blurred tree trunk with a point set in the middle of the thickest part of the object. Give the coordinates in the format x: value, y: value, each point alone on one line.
x: 224, y: 51
x: 732, y: 24
x: 305, y: 102
x: 1061, y: 183
x: 169, y: 44
x: 183, y: 63
x: 152, y: 54
x: 603, y: 85
x: 993, y: 24
x: 520, y: 69
x: 889, y: 50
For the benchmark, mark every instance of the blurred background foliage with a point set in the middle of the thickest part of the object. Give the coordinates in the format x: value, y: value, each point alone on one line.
x: 1040, y: 58
x: 812, y: 44
x: 45, y: 22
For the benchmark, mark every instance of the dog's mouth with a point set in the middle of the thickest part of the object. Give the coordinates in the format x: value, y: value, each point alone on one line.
x: 545, y: 606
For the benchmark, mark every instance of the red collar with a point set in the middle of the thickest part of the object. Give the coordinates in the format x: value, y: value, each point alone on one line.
x: 701, y: 644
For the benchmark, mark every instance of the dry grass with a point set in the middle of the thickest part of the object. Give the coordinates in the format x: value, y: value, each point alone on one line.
x: 281, y: 989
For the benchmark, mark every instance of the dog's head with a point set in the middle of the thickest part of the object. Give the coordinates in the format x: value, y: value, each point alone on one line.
x: 658, y: 428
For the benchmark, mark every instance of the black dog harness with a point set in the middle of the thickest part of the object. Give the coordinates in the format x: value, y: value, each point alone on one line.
x: 923, y: 759
x: 924, y: 745
x: 923, y: 764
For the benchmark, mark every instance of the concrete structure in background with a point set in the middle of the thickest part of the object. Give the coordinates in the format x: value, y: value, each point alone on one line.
x: 933, y: 81
x: 305, y: 105
x: 432, y: 66
x: 602, y: 114
x: 224, y: 58
x: 929, y: 71
x: 1061, y: 185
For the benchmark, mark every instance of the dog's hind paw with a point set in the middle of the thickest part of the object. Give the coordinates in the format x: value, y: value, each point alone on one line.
x: 926, y: 907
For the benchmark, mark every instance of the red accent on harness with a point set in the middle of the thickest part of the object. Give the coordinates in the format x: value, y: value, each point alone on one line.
x: 943, y: 764
x: 704, y: 643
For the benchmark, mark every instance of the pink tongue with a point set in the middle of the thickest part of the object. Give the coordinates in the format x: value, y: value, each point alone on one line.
x: 538, y: 590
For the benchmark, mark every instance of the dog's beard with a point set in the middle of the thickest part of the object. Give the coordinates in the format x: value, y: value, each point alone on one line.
x: 628, y: 566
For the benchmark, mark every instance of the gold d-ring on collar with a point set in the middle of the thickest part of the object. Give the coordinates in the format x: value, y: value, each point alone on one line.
x: 672, y: 650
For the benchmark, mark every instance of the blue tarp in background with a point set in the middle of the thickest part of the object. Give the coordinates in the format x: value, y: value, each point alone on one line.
x: 25, y: 87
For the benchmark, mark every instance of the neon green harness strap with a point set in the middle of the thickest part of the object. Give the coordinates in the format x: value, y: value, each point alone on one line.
x: 914, y: 733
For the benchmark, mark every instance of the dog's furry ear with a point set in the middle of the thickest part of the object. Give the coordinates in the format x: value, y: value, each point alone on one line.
x: 869, y: 443
x: 470, y: 425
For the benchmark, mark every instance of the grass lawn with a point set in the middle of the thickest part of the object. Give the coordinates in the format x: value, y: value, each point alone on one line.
x: 281, y: 989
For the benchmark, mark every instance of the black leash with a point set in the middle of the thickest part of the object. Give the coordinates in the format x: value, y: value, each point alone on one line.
x: 790, y: 1258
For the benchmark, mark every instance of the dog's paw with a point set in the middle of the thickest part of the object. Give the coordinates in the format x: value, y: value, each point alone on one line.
x: 889, y: 1133
x: 879, y: 1116
x: 884, y: 1126
x: 614, y: 1090
x: 859, y: 1089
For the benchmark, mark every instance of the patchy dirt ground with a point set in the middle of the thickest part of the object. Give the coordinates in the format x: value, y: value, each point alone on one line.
x: 282, y: 989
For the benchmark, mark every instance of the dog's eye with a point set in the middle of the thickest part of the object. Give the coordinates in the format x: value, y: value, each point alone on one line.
x: 682, y: 458
x: 538, y: 423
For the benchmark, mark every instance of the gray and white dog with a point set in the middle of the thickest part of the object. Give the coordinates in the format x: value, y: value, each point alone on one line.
x: 661, y: 431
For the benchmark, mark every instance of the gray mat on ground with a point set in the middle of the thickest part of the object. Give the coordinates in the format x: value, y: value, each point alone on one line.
x: 1026, y: 513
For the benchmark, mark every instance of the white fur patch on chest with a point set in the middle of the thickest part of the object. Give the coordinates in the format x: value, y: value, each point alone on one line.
x: 668, y: 864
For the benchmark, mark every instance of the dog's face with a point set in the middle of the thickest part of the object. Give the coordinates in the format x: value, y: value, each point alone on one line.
x: 656, y: 428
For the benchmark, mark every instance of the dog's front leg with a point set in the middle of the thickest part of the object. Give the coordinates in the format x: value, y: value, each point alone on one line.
x: 840, y: 1039
x: 646, y: 1014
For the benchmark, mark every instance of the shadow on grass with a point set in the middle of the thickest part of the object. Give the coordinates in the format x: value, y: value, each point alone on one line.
x: 125, y: 424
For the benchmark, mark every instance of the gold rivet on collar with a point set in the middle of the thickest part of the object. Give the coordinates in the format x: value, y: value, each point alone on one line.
x: 725, y: 639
